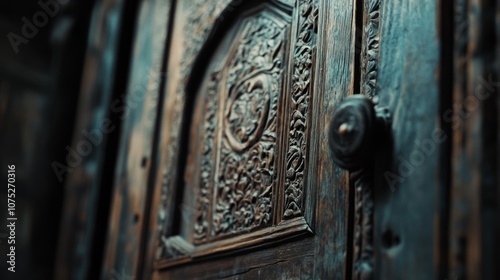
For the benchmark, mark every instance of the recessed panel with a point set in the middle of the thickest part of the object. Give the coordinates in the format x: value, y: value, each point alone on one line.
x: 238, y: 164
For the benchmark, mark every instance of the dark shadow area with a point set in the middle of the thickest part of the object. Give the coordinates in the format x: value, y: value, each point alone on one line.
x: 41, y: 60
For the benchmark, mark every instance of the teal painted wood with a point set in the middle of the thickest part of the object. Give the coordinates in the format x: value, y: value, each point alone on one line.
x: 406, y: 206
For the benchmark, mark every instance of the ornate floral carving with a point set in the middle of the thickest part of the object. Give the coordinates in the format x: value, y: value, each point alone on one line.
x: 246, y: 170
x: 371, y: 48
x: 300, y: 97
x: 246, y: 115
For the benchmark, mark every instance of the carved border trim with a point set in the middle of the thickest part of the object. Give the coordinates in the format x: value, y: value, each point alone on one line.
x: 299, y: 108
x: 207, y: 153
x: 371, y: 50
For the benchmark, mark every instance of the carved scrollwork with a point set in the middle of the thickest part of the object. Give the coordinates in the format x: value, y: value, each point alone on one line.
x: 363, y: 179
x: 363, y: 224
x: 301, y: 93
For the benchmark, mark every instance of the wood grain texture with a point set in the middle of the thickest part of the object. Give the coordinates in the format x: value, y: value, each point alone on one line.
x: 334, y: 75
x: 282, y: 261
x: 264, y: 69
x: 407, y: 84
x: 192, y: 26
x: 135, y: 158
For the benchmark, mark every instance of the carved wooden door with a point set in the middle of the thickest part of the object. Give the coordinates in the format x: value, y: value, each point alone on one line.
x: 238, y: 177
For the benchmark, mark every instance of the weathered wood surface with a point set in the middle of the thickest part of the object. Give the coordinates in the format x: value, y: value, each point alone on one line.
x: 334, y: 76
x: 283, y: 261
x: 82, y: 222
x: 406, y: 206
x: 123, y: 252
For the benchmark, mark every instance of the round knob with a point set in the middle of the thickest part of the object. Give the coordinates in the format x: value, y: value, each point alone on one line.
x: 354, y: 130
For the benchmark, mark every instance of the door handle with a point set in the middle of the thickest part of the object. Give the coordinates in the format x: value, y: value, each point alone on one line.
x: 359, y: 131
x: 358, y: 127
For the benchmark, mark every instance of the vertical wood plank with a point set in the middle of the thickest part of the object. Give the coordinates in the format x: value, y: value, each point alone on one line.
x: 334, y: 79
x: 129, y: 210
x: 93, y: 129
x: 405, y: 195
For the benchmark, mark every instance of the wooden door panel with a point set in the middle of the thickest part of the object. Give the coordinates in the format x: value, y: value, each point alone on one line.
x: 241, y: 89
x: 237, y: 160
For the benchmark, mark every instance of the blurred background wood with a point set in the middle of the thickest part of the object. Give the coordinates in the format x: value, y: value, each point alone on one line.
x: 39, y: 87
